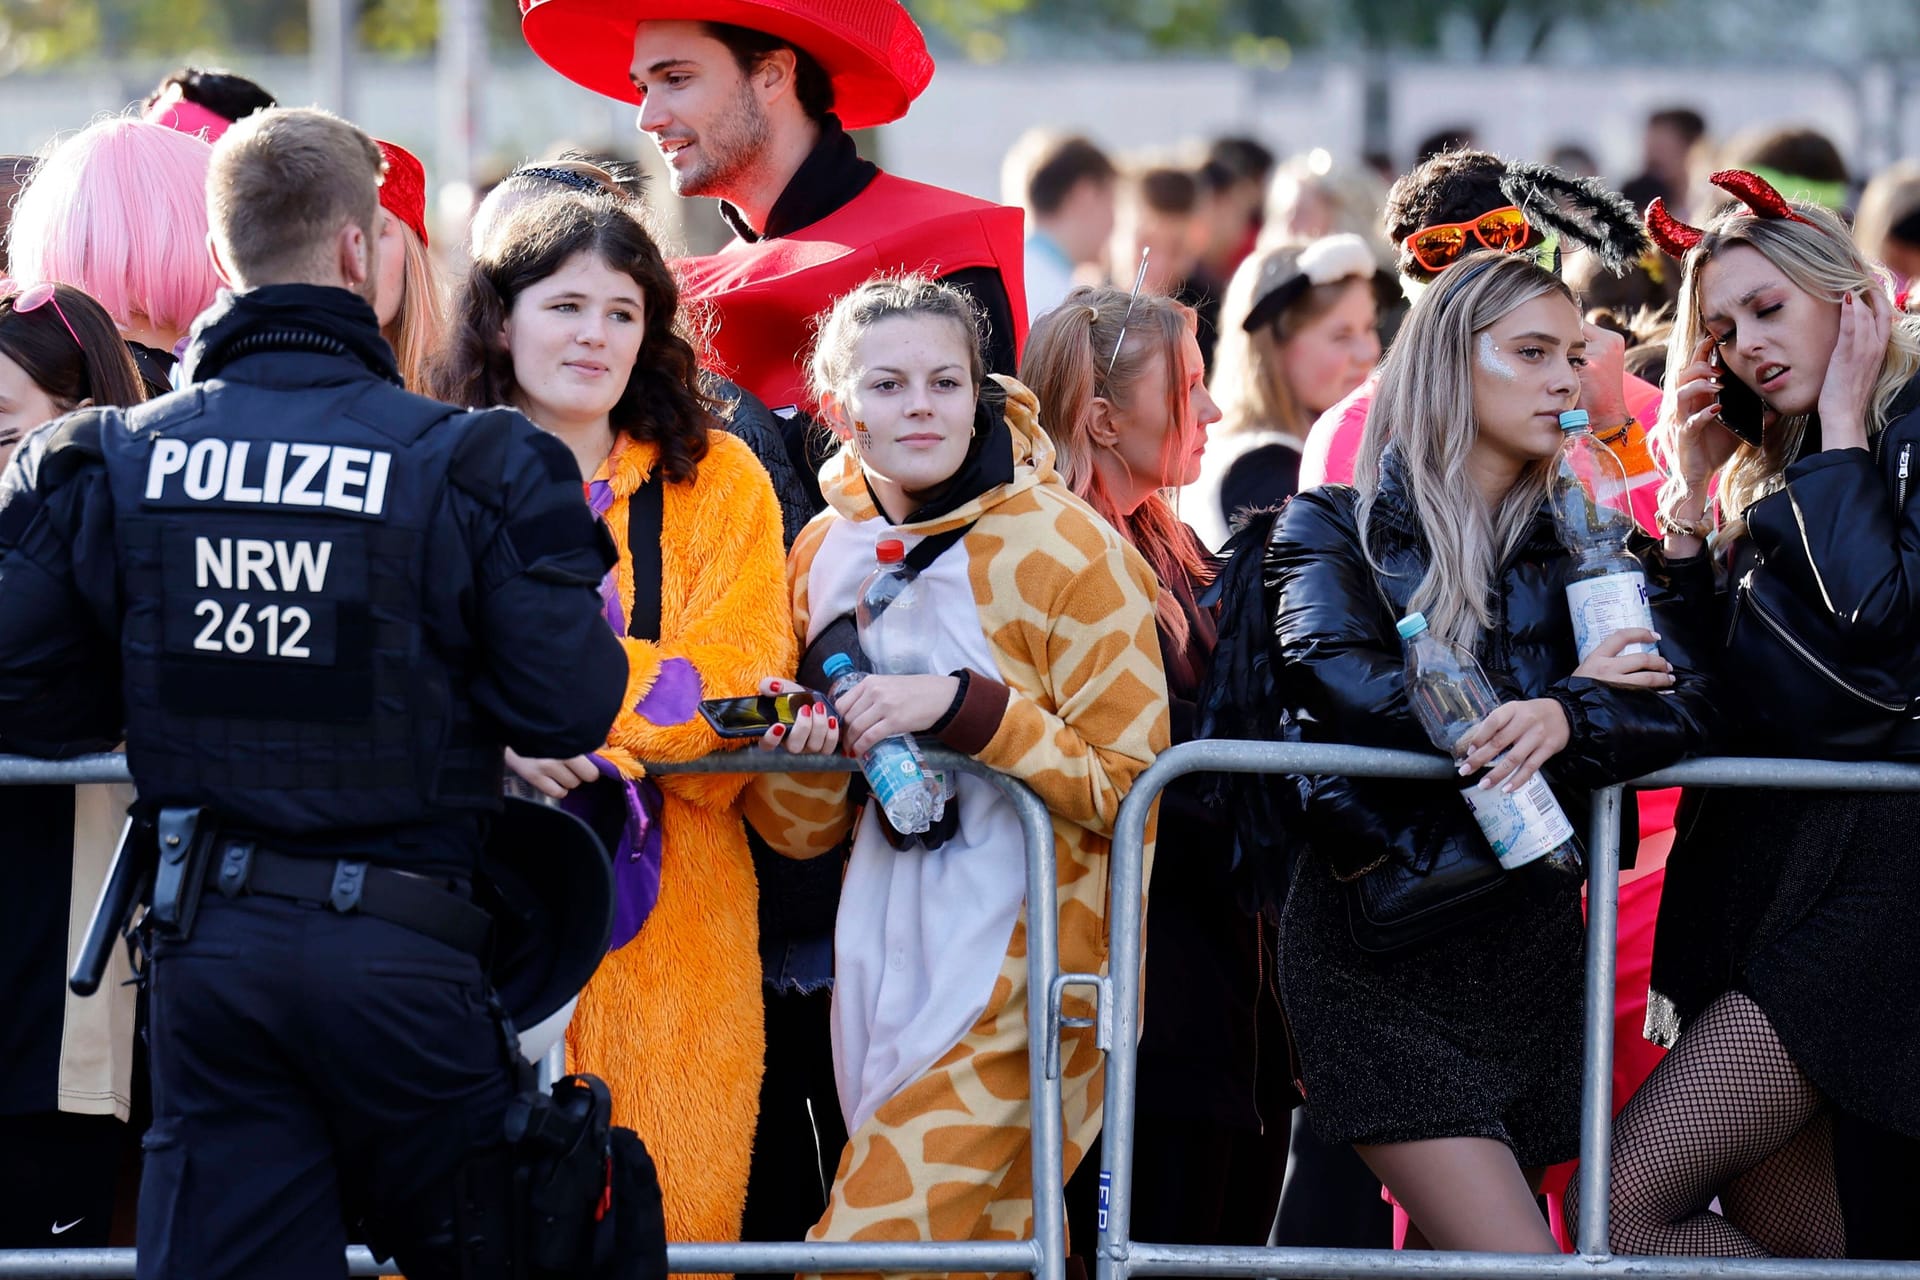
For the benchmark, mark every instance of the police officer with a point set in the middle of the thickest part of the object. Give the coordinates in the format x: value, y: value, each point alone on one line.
x: 320, y: 606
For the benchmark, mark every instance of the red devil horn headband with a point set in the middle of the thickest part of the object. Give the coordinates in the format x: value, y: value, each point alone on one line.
x: 1752, y: 190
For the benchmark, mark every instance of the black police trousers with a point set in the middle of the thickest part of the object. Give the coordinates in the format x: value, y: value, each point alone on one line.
x: 310, y: 1070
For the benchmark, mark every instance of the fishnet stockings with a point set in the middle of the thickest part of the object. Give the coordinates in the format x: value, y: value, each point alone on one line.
x: 1726, y: 1114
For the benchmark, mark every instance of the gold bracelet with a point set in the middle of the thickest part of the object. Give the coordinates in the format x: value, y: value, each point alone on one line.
x: 1684, y: 528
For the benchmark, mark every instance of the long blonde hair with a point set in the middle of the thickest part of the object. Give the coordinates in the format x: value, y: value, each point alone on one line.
x: 1066, y: 365
x: 420, y: 325
x: 1820, y: 258
x: 1424, y: 408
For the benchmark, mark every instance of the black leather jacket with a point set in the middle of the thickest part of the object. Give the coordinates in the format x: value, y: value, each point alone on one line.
x: 1822, y: 627
x: 1341, y: 661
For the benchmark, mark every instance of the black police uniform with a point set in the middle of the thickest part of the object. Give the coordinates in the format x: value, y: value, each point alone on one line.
x: 319, y: 605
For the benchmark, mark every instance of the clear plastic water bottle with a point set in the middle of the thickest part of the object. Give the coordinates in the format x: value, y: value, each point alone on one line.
x: 894, y: 767
x: 897, y: 629
x: 1607, y: 585
x: 892, y: 616
x: 1451, y: 695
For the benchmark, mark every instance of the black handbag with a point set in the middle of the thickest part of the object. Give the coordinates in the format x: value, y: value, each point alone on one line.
x: 1395, y: 908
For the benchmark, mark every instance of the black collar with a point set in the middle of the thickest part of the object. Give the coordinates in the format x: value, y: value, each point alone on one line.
x: 288, y: 317
x: 826, y: 182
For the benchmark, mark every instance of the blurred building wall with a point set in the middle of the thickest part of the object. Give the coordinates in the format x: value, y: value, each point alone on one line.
x: 964, y: 123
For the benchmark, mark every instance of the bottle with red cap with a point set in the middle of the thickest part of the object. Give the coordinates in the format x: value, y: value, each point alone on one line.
x: 891, y: 615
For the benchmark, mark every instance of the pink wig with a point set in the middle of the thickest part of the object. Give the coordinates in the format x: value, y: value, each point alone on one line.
x: 119, y: 210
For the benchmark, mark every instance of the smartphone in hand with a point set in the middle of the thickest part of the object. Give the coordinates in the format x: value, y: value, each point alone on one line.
x: 752, y: 717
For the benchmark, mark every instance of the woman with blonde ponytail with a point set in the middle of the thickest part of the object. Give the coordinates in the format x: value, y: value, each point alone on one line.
x: 1782, y: 978
x: 1119, y: 380
x: 1453, y: 1065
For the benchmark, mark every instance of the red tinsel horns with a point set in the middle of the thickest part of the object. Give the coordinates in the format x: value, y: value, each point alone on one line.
x: 1676, y: 237
x: 1673, y: 236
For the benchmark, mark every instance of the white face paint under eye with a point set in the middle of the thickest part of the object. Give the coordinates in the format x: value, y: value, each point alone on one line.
x: 1490, y: 360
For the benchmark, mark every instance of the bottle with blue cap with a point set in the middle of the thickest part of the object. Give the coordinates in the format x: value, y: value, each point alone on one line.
x: 895, y: 769
x: 1607, y: 585
x: 1450, y: 695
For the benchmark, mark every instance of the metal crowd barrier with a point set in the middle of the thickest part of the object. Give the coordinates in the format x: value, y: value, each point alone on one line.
x: 1120, y: 1256
x: 1042, y: 1255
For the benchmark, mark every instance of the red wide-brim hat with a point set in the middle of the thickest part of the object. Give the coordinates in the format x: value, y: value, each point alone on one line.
x: 871, y: 50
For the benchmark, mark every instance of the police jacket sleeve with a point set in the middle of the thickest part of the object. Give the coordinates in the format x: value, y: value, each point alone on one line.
x: 552, y: 672
x: 1844, y: 535
x: 59, y: 658
x: 1616, y: 733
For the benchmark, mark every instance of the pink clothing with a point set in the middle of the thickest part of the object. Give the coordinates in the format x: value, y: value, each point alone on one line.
x: 1333, y: 445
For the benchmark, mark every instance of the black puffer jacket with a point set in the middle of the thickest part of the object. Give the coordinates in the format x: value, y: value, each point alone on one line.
x: 1341, y: 659
x: 1822, y: 632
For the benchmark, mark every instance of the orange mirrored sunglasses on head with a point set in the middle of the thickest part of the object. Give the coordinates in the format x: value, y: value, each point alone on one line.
x: 1435, y: 248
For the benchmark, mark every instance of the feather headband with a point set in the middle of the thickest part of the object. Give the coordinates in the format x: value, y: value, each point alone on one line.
x: 1583, y: 210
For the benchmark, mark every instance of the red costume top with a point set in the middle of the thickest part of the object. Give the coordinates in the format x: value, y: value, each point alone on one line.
x: 765, y: 295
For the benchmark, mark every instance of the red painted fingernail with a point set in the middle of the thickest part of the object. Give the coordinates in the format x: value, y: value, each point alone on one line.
x: 779, y: 729
x: 833, y: 722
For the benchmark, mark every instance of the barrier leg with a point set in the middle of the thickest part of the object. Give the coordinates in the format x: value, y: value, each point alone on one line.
x: 1596, y: 1094
x: 1043, y: 1087
x: 1124, y: 911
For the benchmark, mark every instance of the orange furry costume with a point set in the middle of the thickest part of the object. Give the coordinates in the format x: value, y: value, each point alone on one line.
x: 673, y: 1020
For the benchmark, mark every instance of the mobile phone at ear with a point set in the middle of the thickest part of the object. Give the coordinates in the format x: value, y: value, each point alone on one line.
x: 1741, y: 408
x: 752, y: 717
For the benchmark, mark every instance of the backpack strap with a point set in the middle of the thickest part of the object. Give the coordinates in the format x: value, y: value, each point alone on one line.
x: 931, y: 548
x: 646, y: 510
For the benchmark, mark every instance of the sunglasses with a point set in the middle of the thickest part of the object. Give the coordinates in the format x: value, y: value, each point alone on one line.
x: 1139, y: 278
x: 1435, y: 248
x: 39, y: 296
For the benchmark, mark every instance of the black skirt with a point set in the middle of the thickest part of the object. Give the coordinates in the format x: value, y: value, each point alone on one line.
x: 1476, y: 1035
x: 1808, y: 902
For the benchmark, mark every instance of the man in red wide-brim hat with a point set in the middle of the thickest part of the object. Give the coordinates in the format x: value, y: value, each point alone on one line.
x: 749, y: 102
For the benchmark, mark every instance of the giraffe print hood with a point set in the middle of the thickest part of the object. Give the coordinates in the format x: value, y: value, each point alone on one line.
x: 844, y: 484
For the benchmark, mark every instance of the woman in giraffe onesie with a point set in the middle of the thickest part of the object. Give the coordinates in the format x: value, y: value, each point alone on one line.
x: 1046, y: 666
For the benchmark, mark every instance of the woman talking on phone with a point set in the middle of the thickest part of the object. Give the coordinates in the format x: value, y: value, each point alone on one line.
x: 1783, y: 977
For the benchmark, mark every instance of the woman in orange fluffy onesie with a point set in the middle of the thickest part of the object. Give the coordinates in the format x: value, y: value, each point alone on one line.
x: 570, y: 316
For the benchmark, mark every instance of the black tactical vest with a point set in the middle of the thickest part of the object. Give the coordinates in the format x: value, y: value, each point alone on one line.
x: 272, y: 547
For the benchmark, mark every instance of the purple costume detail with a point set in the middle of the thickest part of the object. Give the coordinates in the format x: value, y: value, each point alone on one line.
x: 673, y: 699
x: 675, y: 696
x: 636, y: 856
x: 599, y: 498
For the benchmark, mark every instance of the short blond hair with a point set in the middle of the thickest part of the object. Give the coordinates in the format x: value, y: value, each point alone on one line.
x: 282, y: 184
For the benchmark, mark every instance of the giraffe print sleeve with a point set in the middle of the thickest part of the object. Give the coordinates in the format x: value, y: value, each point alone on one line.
x: 1086, y: 709
x: 802, y: 815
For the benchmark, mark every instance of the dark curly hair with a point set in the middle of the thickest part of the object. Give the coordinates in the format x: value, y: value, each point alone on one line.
x: 1452, y: 186
x: 662, y: 402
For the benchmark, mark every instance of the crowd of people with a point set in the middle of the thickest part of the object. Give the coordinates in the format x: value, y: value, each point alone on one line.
x: 1175, y: 447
